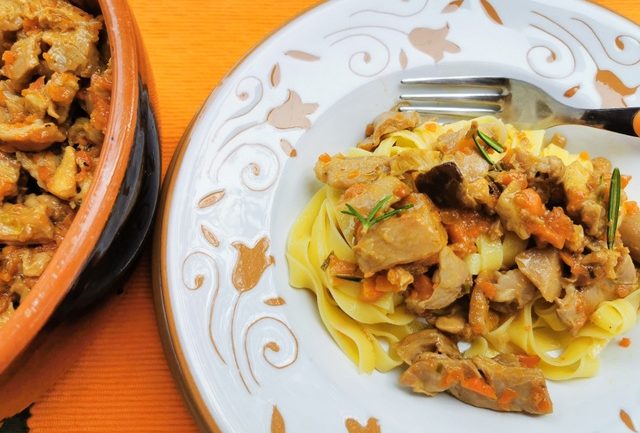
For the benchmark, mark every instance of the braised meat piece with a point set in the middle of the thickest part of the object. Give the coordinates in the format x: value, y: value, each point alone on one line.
x: 415, y: 235
x: 342, y: 173
x: 387, y: 123
x: 501, y: 384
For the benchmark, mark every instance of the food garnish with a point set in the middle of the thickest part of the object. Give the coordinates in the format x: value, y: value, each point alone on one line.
x: 491, y: 142
x: 614, y: 207
x: 371, y: 219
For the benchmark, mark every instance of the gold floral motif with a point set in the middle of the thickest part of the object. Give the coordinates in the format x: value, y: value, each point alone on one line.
x: 275, y: 302
x: 404, y: 60
x: 275, y: 75
x: 491, y: 11
x: 251, y: 264
x: 211, y: 199
x: 452, y: 6
x: 277, y: 422
x: 353, y: 426
x: 570, y: 93
x: 433, y: 42
x: 210, y: 236
x: 302, y: 55
x: 612, y: 89
x: 626, y: 419
x: 288, y: 149
x: 292, y: 113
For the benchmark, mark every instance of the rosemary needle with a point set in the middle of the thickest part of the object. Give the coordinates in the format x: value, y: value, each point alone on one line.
x: 491, y: 142
x: 614, y: 207
x: 371, y: 219
x: 483, y: 152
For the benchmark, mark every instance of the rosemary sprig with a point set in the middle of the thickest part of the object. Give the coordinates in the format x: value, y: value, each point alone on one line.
x: 491, y: 142
x: 371, y: 219
x: 614, y: 207
x: 483, y: 152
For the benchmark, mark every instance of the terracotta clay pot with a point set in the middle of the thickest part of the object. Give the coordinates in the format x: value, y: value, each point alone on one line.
x: 106, y: 236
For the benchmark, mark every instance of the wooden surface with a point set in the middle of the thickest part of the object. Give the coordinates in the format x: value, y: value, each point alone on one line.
x: 121, y: 382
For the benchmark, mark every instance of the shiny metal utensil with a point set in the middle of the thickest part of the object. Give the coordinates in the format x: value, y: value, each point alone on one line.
x: 514, y: 101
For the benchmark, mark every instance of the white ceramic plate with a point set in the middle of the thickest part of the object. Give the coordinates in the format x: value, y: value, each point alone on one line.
x: 250, y: 351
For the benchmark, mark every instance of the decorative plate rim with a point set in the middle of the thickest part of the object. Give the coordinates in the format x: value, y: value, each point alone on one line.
x: 173, y: 348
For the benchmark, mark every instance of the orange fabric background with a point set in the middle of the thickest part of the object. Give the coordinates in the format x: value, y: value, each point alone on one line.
x: 122, y: 383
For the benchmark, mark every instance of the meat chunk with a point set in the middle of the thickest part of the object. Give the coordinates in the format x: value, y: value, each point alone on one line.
x: 427, y: 340
x: 72, y: 35
x: 364, y: 196
x: 630, y: 233
x: 342, y: 173
x: 10, y: 15
x: 61, y: 90
x: 513, y: 287
x: 387, y: 123
x: 584, y: 191
x: 98, y: 99
x: 54, y: 173
x: 542, y: 268
x: 500, y: 384
x: 522, y: 211
x: 444, y: 185
x: 510, y: 213
x: 414, y: 160
x: 24, y: 224
x: 83, y: 134
x: 9, y: 176
x: 22, y: 59
x: 414, y: 235
x: 577, y: 306
x: 449, y: 281
x: 29, y: 137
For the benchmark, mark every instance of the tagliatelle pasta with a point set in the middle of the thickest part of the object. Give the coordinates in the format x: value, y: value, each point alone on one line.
x: 356, y: 326
x: 425, y: 236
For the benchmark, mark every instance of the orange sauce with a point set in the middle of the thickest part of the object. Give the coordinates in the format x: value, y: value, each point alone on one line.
x: 464, y: 227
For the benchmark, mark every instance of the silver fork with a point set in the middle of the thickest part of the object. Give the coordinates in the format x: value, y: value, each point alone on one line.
x: 514, y: 101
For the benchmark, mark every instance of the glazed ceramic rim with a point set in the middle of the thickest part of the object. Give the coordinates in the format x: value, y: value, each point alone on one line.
x: 93, y: 215
x: 173, y: 348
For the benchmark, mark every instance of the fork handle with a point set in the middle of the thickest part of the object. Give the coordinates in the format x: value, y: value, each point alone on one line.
x: 622, y: 120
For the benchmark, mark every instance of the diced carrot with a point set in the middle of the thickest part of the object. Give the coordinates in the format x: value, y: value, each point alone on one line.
x: 529, y: 200
x: 9, y: 57
x: 431, y: 127
x: 368, y: 292
x: 423, y: 287
x: 354, y: 191
x: 555, y: 228
x: 631, y: 207
x: 401, y: 191
x: 325, y: 157
x: 489, y: 289
x: 624, y: 181
x: 479, y: 386
x: 384, y: 285
x: 506, y: 398
x: 341, y: 267
x: 542, y: 403
x: 44, y: 173
x: 584, y: 156
x: 625, y: 342
x: 451, y: 377
x: 529, y: 361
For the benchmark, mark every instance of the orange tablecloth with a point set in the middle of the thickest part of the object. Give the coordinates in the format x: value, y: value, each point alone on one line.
x: 121, y: 383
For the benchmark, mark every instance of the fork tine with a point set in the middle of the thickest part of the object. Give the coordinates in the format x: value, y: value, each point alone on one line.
x: 470, y: 111
x: 459, y: 81
x: 480, y: 95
